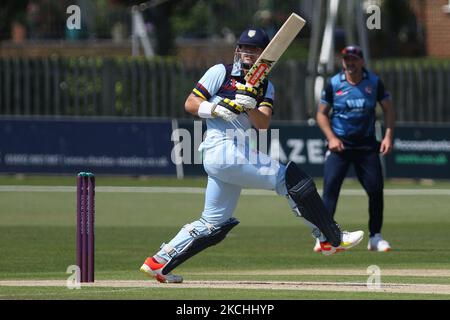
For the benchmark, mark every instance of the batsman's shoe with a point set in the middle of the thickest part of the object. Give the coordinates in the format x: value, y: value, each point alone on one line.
x: 317, y: 246
x: 377, y: 243
x: 153, y: 268
x: 349, y: 240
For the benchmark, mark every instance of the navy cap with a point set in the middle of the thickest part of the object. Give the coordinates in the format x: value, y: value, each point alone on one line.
x: 256, y: 37
x: 352, y: 51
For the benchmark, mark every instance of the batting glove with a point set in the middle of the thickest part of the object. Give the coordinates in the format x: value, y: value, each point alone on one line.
x: 246, y: 96
x: 227, y: 110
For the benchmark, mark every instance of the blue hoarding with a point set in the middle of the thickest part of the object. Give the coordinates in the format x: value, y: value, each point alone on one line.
x: 71, y: 145
x: 145, y: 147
x: 420, y: 151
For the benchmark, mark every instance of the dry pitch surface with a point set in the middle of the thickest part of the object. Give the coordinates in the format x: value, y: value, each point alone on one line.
x: 273, y: 285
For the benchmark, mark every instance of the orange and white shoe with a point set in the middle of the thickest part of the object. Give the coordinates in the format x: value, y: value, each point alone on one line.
x: 349, y: 240
x: 377, y: 243
x: 153, y: 268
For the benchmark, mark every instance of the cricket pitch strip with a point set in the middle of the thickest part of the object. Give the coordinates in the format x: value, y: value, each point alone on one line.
x: 388, y: 287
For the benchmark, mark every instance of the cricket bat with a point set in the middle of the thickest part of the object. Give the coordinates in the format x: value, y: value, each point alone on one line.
x: 274, y: 50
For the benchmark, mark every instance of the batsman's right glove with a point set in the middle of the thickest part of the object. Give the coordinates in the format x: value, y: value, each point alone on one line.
x: 227, y: 110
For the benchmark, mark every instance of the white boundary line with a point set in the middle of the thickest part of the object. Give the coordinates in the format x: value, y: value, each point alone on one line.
x: 191, y: 190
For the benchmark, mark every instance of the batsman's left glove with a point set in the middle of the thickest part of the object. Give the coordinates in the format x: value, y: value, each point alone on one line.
x: 246, y: 96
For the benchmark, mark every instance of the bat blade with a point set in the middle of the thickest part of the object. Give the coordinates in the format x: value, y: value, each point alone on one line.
x: 274, y: 50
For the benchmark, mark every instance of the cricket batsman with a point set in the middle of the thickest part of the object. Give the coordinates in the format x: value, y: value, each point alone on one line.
x: 230, y: 109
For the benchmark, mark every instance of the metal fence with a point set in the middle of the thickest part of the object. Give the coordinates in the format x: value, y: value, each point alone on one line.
x: 158, y: 88
x: 420, y: 90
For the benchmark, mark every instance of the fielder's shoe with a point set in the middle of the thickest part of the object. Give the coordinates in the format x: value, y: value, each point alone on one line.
x: 377, y: 243
x: 349, y: 240
x: 153, y: 268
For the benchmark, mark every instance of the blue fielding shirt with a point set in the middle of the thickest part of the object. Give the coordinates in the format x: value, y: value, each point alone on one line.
x: 353, y: 108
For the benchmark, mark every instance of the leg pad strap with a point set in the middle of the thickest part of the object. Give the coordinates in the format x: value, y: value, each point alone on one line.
x: 303, y: 192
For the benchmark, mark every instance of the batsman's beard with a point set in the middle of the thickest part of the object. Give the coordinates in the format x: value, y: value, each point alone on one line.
x: 247, y: 66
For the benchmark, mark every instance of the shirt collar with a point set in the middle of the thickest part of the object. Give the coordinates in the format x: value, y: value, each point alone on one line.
x: 237, y: 70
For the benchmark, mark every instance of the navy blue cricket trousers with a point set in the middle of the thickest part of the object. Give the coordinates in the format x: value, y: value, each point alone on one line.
x: 367, y: 167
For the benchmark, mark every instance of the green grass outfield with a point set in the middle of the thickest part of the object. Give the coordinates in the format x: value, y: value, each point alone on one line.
x: 37, y: 237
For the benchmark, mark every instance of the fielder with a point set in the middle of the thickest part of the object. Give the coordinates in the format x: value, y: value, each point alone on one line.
x: 352, y: 95
x: 230, y: 108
